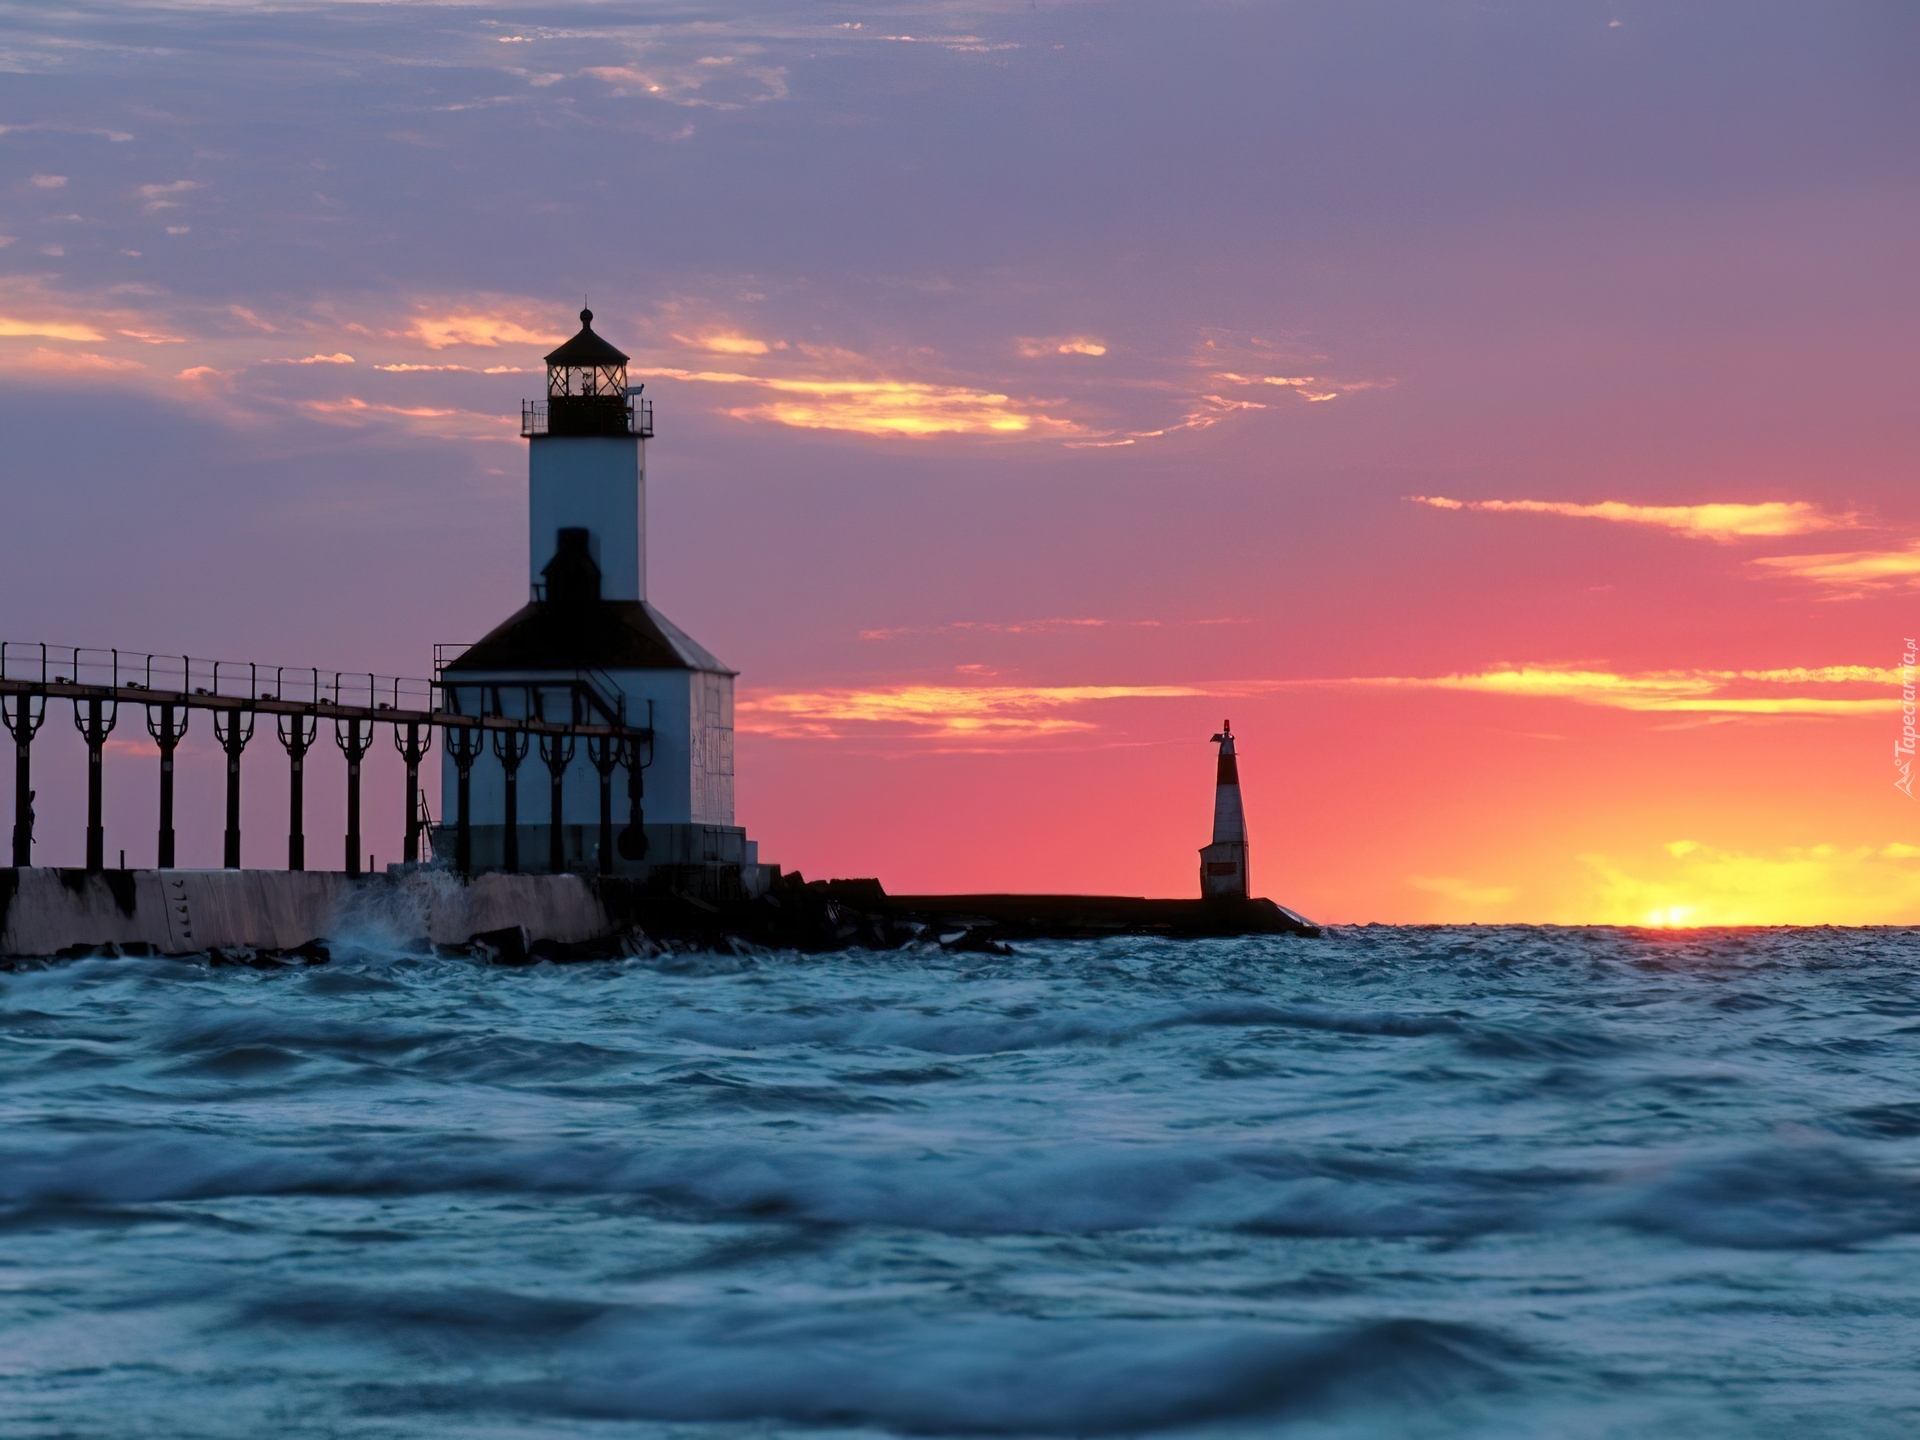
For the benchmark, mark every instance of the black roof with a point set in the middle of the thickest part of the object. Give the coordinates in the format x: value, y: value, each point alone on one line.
x: 586, y: 349
x: 609, y: 634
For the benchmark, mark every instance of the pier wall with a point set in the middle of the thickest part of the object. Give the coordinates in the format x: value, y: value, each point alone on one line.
x: 179, y: 912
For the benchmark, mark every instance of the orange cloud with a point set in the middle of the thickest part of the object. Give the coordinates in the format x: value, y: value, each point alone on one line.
x: 1704, y: 522
x: 1851, y: 573
x: 457, y: 369
x: 452, y: 424
x: 341, y: 358
x: 1008, y: 627
x: 1703, y: 691
x: 437, y: 332
x: 1329, y: 389
x: 724, y: 342
x: 1033, y: 349
x: 943, y: 711
x: 878, y: 407
x: 14, y: 327
x: 69, y: 362
x: 980, y: 711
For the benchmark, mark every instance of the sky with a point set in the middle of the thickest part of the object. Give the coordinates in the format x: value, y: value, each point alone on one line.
x: 1502, y: 412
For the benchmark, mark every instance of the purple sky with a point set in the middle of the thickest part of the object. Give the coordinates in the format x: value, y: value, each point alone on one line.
x: 1658, y: 254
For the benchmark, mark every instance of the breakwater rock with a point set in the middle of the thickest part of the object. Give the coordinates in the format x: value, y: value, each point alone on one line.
x: 271, y: 916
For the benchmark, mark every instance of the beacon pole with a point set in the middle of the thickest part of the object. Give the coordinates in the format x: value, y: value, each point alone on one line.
x: 23, y: 716
x: 413, y: 750
x: 297, y: 733
x: 166, y: 735
x: 233, y: 729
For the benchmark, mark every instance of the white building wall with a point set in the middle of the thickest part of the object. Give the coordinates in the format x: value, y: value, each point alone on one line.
x: 596, y: 483
x: 710, y: 736
x: 669, y: 797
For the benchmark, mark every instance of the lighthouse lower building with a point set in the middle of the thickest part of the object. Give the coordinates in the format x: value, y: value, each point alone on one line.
x: 589, y: 646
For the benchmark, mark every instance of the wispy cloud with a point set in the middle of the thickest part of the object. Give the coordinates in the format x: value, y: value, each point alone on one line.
x: 339, y: 358
x: 17, y: 326
x: 162, y: 197
x: 1034, y: 349
x: 403, y: 369
x: 878, y: 407
x: 1307, y: 387
x: 946, y: 712
x: 444, y: 421
x: 979, y: 710
x: 1203, y: 413
x: 437, y: 332
x: 1724, y: 692
x: 1853, y: 573
x: 715, y: 82
x: 118, y: 136
x: 67, y: 362
x: 1704, y: 522
x: 1048, y: 626
x: 725, y: 342
x: 1006, y: 627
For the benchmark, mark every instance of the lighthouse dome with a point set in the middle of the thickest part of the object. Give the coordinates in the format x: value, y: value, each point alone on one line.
x: 586, y: 351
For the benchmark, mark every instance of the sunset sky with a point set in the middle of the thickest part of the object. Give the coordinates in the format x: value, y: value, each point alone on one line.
x: 1504, y: 412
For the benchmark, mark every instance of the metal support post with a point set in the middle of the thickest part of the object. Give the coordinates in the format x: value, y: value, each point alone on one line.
x: 464, y: 745
x: 297, y: 733
x: 23, y: 715
x: 96, y: 727
x: 167, y: 735
x: 413, y: 750
x: 233, y: 729
x: 511, y: 747
x: 354, y: 737
x: 556, y: 751
x: 605, y: 754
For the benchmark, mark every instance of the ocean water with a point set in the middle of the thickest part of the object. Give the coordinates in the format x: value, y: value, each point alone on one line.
x: 1396, y: 1182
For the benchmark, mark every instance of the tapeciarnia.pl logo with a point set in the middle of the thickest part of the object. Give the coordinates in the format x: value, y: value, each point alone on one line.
x: 1903, y: 747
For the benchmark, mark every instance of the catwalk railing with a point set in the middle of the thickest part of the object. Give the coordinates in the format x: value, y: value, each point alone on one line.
x: 510, y: 718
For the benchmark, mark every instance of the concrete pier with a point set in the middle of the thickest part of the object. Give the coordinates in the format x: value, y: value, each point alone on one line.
x: 183, y: 912
x: 511, y: 919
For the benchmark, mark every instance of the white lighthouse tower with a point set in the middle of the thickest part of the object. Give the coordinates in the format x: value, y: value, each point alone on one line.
x: 1223, y: 864
x: 589, y: 646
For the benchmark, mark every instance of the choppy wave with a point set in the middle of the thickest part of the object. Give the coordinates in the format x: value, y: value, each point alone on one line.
x: 1424, y: 1182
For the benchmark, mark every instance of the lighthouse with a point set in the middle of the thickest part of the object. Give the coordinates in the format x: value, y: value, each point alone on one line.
x: 589, y: 646
x: 1223, y: 864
